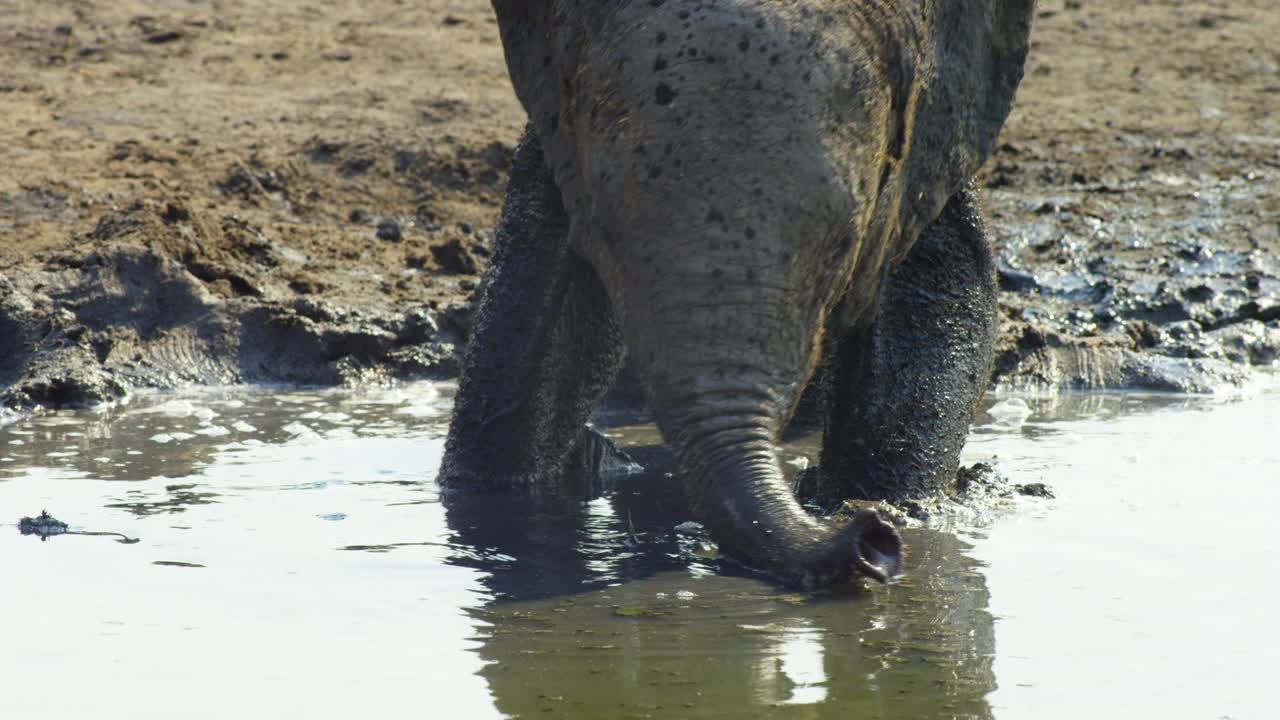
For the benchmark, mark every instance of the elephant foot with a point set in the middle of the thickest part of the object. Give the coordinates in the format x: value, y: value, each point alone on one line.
x: 594, y: 464
x: 588, y: 471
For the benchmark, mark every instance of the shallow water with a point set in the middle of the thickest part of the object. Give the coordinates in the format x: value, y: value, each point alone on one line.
x: 291, y: 556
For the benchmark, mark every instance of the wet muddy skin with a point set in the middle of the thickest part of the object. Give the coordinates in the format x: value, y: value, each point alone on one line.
x: 291, y: 555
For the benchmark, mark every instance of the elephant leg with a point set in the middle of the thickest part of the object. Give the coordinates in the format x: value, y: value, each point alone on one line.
x: 544, y: 347
x: 902, y: 389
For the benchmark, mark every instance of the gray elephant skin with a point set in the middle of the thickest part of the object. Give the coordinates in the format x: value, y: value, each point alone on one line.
x: 746, y: 198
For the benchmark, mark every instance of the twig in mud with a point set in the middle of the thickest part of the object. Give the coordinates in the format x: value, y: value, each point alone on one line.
x: 124, y: 539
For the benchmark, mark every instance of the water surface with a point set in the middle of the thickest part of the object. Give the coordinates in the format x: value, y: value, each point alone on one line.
x: 292, y: 556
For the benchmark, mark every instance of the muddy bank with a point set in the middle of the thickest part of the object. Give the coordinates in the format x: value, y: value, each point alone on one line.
x: 1134, y: 198
x: 1102, y: 292
x: 155, y: 298
x: 278, y: 194
x: 261, y: 195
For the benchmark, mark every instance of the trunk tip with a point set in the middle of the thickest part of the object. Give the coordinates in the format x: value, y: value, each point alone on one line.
x: 877, y: 545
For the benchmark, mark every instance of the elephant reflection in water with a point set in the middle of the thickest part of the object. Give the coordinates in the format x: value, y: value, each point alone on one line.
x: 592, y: 617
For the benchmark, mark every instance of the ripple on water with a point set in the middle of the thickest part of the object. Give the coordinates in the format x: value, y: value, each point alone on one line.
x: 300, y: 557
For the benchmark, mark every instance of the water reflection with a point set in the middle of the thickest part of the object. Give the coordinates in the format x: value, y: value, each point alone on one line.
x: 588, y: 608
x: 235, y: 565
x: 679, y: 645
x: 603, y: 609
x: 179, y: 498
x: 159, y: 435
x: 1038, y: 415
x: 791, y: 672
x: 303, y: 527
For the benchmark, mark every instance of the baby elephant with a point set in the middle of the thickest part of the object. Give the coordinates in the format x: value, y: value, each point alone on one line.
x: 745, y: 197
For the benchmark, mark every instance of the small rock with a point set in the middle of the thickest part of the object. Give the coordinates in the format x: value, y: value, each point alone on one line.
x: 1017, y: 280
x: 1143, y: 334
x: 454, y: 257
x: 977, y: 474
x: 164, y: 36
x: 389, y: 230
x: 457, y: 319
x: 305, y: 283
x: 1034, y: 490
x: 175, y: 213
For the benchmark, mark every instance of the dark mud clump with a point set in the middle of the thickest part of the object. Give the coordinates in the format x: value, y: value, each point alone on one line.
x: 980, y: 492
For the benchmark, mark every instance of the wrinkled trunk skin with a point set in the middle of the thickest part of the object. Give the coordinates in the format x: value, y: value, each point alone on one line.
x: 733, y: 173
x: 727, y: 454
x: 725, y: 359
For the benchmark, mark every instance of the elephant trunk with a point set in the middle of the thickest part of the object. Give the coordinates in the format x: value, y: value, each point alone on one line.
x: 727, y: 453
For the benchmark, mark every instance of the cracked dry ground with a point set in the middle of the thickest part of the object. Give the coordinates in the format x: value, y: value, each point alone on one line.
x: 228, y: 192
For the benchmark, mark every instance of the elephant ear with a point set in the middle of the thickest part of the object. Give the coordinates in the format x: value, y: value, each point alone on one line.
x: 544, y: 41
x: 966, y: 82
x: 524, y: 26
x: 999, y: 66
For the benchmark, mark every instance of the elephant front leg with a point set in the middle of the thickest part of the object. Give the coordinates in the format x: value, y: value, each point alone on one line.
x: 903, y: 391
x: 544, y: 347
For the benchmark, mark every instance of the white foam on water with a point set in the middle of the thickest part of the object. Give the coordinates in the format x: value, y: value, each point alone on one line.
x: 297, y: 428
x: 213, y: 431
x: 1011, y: 411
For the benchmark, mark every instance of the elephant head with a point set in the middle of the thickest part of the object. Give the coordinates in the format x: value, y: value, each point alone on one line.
x: 741, y: 176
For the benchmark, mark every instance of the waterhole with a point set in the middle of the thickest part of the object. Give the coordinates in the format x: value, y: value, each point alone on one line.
x: 259, y: 553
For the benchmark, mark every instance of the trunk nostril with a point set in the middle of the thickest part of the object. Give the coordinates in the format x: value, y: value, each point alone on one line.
x: 879, y: 547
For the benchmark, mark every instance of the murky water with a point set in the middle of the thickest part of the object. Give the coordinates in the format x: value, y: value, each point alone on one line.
x: 292, y: 558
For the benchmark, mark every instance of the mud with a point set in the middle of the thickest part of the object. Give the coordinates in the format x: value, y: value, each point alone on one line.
x: 154, y: 303
x: 1134, y: 199
x: 248, y: 193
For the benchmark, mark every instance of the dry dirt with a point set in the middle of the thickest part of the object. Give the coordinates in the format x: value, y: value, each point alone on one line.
x: 284, y: 192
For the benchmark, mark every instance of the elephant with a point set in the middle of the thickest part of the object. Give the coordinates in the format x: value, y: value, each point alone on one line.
x: 744, y: 199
